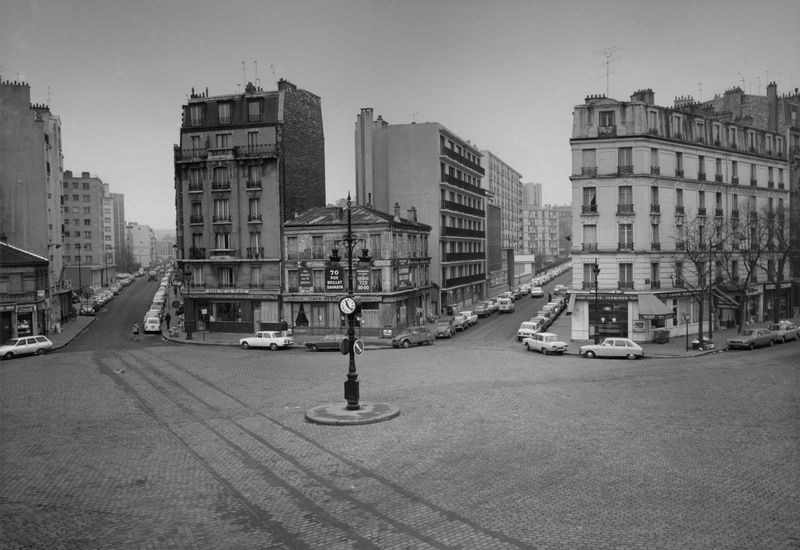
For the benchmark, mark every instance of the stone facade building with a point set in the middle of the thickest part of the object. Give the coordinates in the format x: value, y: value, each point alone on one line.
x: 246, y: 163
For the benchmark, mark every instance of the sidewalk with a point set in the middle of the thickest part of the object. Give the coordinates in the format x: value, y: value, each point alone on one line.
x: 70, y: 330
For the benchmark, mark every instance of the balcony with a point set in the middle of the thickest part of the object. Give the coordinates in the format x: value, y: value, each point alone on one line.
x: 256, y: 151
x: 195, y: 188
x: 625, y: 285
x: 220, y: 186
x: 221, y: 219
x: 753, y: 215
x: 655, y: 170
x: 780, y: 185
x: 603, y: 131
x: 679, y: 211
x: 735, y: 180
x: 625, y: 246
x: 255, y: 252
x: 197, y: 253
x: 589, y: 247
x: 770, y: 184
x: 459, y: 281
x: 655, y: 284
x: 460, y: 232
x: 452, y: 180
x: 589, y: 209
x: 625, y: 210
x: 222, y: 153
x: 449, y: 153
x: 464, y: 256
x: 458, y: 207
x: 254, y: 218
x: 190, y: 155
x: 680, y: 245
x: 196, y: 218
x: 701, y: 176
x: 679, y: 173
x: 678, y: 282
x: 718, y: 178
x: 718, y: 213
x: 253, y: 185
x: 655, y: 209
x: 701, y: 211
x: 587, y: 285
x: 222, y: 252
x: 655, y: 246
x: 735, y: 214
x: 625, y: 169
x: 589, y: 171
x: 753, y: 183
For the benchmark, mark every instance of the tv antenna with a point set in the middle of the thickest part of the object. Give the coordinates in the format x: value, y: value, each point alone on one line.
x: 274, y: 76
x: 700, y: 91
x: 611, y: 55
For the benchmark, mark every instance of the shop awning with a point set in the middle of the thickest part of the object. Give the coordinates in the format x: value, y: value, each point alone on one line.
x: 724, y: 299
x: 650, y: 307
x: 571, y: 304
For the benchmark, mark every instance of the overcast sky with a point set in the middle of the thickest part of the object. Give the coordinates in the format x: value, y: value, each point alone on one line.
x: 504, y: 74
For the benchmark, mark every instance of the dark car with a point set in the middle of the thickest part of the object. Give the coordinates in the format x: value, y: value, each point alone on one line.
x: 413, y: 335
x: 326, y: 342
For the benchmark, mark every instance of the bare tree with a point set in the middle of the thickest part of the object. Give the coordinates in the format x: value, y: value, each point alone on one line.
x: 781, y: 247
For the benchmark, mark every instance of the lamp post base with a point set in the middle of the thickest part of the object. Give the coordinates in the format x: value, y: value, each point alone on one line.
x: 337, y: 414
x: 351, y: 392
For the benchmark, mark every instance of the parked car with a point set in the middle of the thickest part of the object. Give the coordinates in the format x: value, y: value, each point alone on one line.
x: 460, y: 322
x: 545, y: 342
x: 25, y: 345
x: 152, y: 324
x: 784, y: 330
x: 542, y: 322
x: 266, y: 339
x: 413, y: 335
x: 527, y: 329
x: 505, y: 305
x: 88, y: 311
x: 537, y: 292
x: 482, y: 309
x: 751, y: 338
x: 472, y: 317
x: 444, y: 327
x: 326, y: 342
x: 613, y: 347
x: 493, y: 306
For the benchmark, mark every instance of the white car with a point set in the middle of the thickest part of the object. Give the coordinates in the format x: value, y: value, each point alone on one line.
x: 527, y: 329
x: 472, y: 317
x: 25, y: 345
x: 152, y: 324
x: 613, y: 347
x: 784, y: 330
x: 537, y: 292
x: 545, y: 342
x: 266, y: 339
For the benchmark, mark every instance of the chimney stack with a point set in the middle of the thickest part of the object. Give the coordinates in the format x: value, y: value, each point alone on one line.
x: 772, y: 107
x: 396, y: 212
x: 412, y: 214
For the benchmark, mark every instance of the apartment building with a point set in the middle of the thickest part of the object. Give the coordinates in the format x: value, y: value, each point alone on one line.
x: 647, y: 181
x: 505, y: 190
x: 30, y: 192
x: 429, y: 167
x: 141, y: 242
x: 545, y: 232
x: 391, y: 270
x: 246, y: 163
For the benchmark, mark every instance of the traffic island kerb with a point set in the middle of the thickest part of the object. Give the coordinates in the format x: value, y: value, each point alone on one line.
x: 337, y: 414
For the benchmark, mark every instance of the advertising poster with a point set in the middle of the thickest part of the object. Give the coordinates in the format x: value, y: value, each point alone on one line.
x: 334, y: 279
x: 306, y: 281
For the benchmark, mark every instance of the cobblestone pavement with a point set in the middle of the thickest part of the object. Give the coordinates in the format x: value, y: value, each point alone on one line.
x: 207, y: 447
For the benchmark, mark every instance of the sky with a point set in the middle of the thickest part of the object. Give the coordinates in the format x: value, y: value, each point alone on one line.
x: 504, y: 74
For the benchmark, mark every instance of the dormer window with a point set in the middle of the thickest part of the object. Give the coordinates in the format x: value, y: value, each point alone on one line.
x: 254, y: 111
x: 196, y: 115
x: 224, y: 112
x: 606, y: 118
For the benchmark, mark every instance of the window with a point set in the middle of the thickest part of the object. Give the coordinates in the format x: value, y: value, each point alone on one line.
x: 87, y: 221
x: 780, y: 176
x: 606, y: 118
x: 590, y: 237
x: 222, y: 241
x: 625, y: 160
x: 626, y: 275
x: 734, y: 169
x: 221, y: 176
x: 291, y: 248
x: 87, y: 209
x: 701, y: 199
x: 654, y: 234
x: 654, y: 196
x: 254, y: 111
x: 678, y: 164
x: 589, y: 199
x: 625, y: 195
x: 196, y: 115
x: 76, y: 197
x: 194, y: 179
x: 255, y: 275
x: 375, y: 246
x: 679, y: 197
x: 221, y: 210
x: 87, y: 198
x: 224, y: 112
x: 654, y: 166
x: 196, y: 143
x: 252, y: 140
x: 223, y: 141
x: 655, y: 275
x: 753, y: 180
x: 197, y: 240
x: 588, y: 162
x: 679, y: 273
x: 626, y: 236
x: 317, y: 247
x: 87, y: 234
x: 225, y: 276
x: 253, y: 209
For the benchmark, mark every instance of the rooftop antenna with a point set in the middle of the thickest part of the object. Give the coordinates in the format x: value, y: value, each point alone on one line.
x: 255, y: 64
x: 742, y: 77
x: 414, y: 117
x: 700, y: 90
x: 244, y: 74
x: 610, y: 55
x: 274, y: 77
x: 49, y: 98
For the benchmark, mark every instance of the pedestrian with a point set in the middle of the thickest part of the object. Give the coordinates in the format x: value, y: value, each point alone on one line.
x: 167, y: 319
x: 549, y: 297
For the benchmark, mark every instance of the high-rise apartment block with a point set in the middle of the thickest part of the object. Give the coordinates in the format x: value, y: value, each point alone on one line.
x: 246, y: 163
x: 653, y: 187
x: 504, y: 187
x: 429, y: 168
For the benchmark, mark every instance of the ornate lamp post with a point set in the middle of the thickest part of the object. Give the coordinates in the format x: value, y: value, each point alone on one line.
x: 596, y: 271
x: 350, y: 306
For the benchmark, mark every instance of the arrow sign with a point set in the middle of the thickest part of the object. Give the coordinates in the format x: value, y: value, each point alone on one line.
x: 358, y: 347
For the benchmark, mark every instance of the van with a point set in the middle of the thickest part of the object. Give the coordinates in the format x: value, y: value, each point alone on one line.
x: 527, y: 329
x: 152, y: 324
x: 505, y: 305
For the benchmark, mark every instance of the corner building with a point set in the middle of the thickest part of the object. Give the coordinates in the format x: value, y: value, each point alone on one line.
x: 647, y: 179
x: 428, y: 167
x: 246, y: 163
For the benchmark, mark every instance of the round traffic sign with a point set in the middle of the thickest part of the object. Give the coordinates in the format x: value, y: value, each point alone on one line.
x: 358, y: 347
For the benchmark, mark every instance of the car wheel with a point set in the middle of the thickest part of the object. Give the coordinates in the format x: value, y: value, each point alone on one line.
x: 313, y: 347
x: 273, y: 347
x: 245, y: 345
x: 449, y: 334
x: 40, y: 351
x: 590, y: 354
x: 783, y: 339
x: 630, y: 356
x: 528, y: 347
x: 544, y: 351
x: 406, y: 344
x: 9, y: 355
x: 751, y: 347
x: 771, y: 343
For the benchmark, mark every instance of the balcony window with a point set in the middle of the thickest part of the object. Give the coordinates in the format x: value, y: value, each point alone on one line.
x: 589, y: 205
x: 588, y: 162
x: 626, y: 276
x: 625, y: 160
x: 224, y: 112
x: 625, y: 236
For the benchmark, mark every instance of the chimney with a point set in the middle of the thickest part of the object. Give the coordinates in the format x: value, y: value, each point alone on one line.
x: 644, y: 96
x: 412, y: 214
x: 396, y: 212
x: 772, y: 107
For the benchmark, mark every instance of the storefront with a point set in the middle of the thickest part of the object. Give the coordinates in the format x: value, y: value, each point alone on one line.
x: 232, y: 309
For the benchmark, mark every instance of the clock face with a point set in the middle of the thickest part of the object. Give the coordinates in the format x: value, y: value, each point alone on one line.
x: 347, y: 305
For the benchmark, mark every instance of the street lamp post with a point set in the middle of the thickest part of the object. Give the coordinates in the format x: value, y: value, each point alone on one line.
x: 187, y: 276
x: 686, y: 322
x: 350, y: 307
x: 80, y: 277
x: 596, y: 271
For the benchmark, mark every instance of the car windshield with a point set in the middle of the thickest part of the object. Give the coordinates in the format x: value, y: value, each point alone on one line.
x: 748, y: 332
x: 775, y: 327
